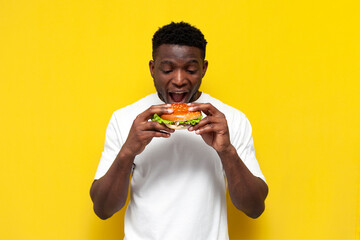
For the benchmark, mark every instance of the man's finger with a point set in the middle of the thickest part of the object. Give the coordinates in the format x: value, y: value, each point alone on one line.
x: 152, y: 134
x: 158, y: 109
x: 208, y: 128
x: 155, y: 126
x: 205, y: 121
x: 207, y: 108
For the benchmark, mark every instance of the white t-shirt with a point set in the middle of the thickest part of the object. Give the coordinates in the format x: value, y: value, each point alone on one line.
x: 178, y: 187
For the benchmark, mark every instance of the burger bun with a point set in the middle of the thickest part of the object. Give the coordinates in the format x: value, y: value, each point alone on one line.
x: 178, y: 127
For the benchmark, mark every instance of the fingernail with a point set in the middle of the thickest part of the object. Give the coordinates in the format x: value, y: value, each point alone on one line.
x: 197, y: 131
x: 191, y: 128
x: 191, y: 109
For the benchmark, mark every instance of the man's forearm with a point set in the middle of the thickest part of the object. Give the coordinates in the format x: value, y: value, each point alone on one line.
x: 247, y: 191
x: 109, y: 193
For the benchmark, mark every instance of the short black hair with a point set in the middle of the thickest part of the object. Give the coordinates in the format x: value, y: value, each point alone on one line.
x: 181, y: 33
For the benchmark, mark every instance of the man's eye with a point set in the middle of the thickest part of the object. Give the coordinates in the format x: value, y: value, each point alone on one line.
x: 191, y: 71
x: 166, y: 71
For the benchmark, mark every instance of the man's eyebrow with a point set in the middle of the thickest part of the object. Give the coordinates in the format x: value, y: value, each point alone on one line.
x: 193, y: 61
x: 166, y: 62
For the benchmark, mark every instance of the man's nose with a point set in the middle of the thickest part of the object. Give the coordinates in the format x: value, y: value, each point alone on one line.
x: 179, y: 78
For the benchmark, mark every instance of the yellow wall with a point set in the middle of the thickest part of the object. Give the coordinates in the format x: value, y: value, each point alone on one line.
x: 291, y: 66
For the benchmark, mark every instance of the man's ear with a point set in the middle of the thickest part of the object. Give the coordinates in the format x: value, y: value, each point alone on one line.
x: 152, y: 67
x: 205, y: 66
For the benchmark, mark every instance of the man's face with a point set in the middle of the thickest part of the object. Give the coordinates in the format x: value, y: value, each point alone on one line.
x: 177, y: 72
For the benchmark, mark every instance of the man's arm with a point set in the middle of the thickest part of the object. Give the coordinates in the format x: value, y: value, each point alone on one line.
x: 247, y: 192
x: 109, y: 193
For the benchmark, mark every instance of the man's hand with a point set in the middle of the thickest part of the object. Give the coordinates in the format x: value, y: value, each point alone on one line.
x: 142, y: 130
x: 109, y: 193
x: 213, y: 128
x: 247, y: 192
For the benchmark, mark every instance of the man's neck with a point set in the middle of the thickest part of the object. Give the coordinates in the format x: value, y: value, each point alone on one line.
x: 196, y: 96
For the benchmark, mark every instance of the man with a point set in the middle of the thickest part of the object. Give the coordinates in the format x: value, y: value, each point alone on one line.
x: 178, y: 178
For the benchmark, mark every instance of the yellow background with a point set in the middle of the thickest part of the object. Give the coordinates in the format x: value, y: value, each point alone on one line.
x: 291, y: 66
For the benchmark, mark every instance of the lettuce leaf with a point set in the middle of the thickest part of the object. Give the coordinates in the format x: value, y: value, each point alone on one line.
x: 157, y: 118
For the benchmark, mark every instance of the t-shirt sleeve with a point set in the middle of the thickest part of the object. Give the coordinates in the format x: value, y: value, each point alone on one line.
x: 111, y: 148
x: 244, y: 144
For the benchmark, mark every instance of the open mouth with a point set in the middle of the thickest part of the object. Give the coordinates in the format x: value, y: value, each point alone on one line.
x: 177, y: 96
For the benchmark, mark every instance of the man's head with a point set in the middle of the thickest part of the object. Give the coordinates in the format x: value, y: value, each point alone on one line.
x: 182, y: 34
x: 178, y: 64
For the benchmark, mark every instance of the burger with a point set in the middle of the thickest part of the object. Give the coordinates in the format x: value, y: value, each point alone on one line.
x: 181, y: 118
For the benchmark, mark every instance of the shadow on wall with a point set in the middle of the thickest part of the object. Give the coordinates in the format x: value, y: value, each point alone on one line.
x: 109, y: 229
x: 240, y: 225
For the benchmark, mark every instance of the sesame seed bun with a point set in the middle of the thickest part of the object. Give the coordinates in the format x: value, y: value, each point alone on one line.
x: 178, y: 127
x: 181, y: 113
